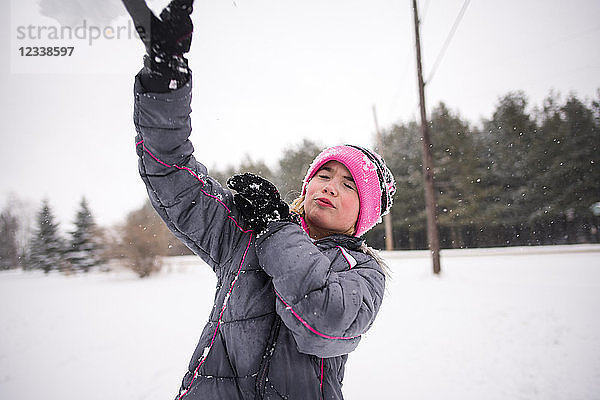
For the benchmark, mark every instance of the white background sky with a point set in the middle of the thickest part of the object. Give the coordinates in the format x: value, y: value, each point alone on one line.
x: 266, y: 75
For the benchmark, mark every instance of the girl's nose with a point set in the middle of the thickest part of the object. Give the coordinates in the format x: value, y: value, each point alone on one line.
x: 331, y: 187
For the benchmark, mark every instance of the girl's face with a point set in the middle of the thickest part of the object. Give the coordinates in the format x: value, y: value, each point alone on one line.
x: 331, y: 203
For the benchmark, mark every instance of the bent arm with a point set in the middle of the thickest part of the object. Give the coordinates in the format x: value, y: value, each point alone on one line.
x: 326, y: 307
x: 193, y: 205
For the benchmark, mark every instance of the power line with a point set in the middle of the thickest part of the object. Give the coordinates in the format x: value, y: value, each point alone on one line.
x: 448, y: 39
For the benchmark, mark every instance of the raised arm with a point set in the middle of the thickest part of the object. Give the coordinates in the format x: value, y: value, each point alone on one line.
x: 193, y: 205
x: 326, y: 300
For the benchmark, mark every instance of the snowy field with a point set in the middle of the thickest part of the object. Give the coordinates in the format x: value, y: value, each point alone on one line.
x: 519, y: 323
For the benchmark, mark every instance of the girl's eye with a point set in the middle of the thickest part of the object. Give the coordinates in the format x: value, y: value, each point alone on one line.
x: 349, y: 186
x: 323, y: 176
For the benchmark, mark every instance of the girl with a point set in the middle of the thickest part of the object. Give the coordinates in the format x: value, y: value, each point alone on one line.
x: 296, y: 290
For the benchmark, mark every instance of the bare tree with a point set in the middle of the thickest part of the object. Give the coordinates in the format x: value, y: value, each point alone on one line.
x: 144, y: 240
x: 9, y: 252
x: 23, y: 213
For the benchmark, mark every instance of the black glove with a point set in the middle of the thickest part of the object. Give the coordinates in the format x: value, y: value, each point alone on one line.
x: 258, y: 200
x: 166, y: 40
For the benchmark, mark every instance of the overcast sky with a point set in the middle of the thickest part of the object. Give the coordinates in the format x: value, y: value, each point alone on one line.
x: 266, y: 75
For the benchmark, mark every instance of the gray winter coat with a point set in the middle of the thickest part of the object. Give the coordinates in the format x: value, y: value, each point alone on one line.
x: 287, y: 310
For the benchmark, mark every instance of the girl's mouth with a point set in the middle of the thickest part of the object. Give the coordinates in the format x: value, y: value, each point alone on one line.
x: 322, y: 201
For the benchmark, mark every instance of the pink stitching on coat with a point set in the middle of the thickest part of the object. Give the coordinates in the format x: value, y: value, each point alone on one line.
x: 205, y: 355
x: 194, y: 175
x: 227, y: 296
x: 321, y: 387
x: 310, y: 328
x: 236, y: 224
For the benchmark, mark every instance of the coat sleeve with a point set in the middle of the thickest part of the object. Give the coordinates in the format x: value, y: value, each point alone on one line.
x: 326, y: 308
x: 195, y: 207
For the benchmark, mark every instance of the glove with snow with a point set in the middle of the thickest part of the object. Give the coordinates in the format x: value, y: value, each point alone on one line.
x: 258, y: 200
x: 166, y: 40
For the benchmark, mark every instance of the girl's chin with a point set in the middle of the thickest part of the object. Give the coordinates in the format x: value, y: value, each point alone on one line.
x: 317, y: 219
x: 316, y: 223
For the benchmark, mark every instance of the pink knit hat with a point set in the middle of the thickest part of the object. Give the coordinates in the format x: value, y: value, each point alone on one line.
x: 374, y: 181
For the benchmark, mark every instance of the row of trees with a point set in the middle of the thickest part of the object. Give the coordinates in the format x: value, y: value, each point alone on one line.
x: 46, y: 248
x: 523, y: 177
x: 526, y: 176
x: 138, y: 243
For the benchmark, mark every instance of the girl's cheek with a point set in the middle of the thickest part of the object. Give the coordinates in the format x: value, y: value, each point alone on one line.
x: 351, y: 203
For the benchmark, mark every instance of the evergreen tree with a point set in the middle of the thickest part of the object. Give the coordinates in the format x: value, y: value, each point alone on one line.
x: 247, y: 165
x: 402, y: 153
x: 9, y: 251
x: 568, y: 177
x: 83, y: 250
x: 507, y: 143
x: 46, y: 245
x: 460, y: 178
x: 577, y: 176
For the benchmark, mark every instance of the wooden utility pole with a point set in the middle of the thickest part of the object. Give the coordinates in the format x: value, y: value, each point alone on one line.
x: 433, y: 233
x: 387, y: 218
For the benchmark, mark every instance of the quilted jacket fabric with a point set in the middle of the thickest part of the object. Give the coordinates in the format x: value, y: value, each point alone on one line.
x: 287, y: 310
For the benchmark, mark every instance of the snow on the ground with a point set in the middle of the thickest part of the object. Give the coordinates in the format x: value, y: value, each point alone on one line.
x: 520, y: 323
